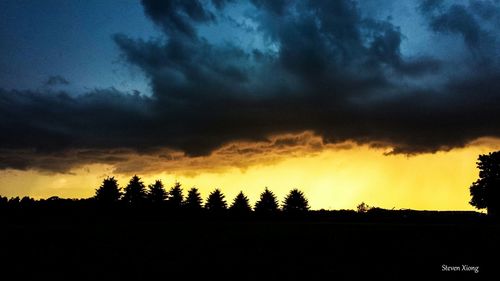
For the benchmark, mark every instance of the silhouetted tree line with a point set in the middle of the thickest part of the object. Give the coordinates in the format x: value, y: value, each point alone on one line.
x: 485, y: 194
x: 136, y: 194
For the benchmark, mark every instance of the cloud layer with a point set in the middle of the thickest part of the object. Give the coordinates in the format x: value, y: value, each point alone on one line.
x: 227, y: 71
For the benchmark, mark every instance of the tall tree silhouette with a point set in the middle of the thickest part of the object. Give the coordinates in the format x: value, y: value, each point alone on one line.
x: 240, y: 204
x: 3, y: 201
x: 295, y: 202
x: 485, y: 191
x: 193, y: 200
x: 109, y: 191
x: 216, y: 202
x: 175, y: 196
x: 157, y: 193
x: 135, y: 191
x: 267, y: 204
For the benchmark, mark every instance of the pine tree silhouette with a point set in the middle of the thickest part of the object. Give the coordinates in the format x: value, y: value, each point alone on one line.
x: 175, y: 196
x: 216, y: 202
x: 108, y: 192
x: 240, y: 205
x: 135, y: 191
x: 193, y: 200
x: 295, y: 202
x: 157, y: 193
x: 267, y: 204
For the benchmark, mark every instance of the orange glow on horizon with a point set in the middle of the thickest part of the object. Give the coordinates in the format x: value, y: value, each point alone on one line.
x: 331, y: 178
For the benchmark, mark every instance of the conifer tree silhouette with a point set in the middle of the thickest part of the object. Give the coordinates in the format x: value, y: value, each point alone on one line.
x: 109, y: 191
x: 295, y: 202
x: 216, y: 202
x: 193, y: 200
x: 135, y: 191
x: 175, y: 196
x: 240, y: 204
x: 157, y: 193
x: 267, y: 204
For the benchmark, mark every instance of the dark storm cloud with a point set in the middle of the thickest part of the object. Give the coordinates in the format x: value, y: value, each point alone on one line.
x: 176, y: 16
x: 323, y: 67
x: 56, y: 80
x: 428, y: 6
x: 460, y: 19
x: 219, y: 4
x: 50, y: 122
x: 484, y: 9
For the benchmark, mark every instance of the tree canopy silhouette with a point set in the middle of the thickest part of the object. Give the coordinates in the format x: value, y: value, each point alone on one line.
x: 363, y: 208
x: 485, y: 191
x: 216, y: 202
x: 3, y: 201
x: 267, y: 204
x: 135, y: 191
x: 295, y: 202
x: 193, y: 200
x: 26, y: 202
x: 240, y: 204
x: 175, y: 196
x: 156, y: 193
x: 109, y: 191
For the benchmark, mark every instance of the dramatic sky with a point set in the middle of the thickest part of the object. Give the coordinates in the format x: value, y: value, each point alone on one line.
x: 387, y: 102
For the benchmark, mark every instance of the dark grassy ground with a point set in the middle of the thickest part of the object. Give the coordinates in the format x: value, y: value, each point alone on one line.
x: 163, y: 249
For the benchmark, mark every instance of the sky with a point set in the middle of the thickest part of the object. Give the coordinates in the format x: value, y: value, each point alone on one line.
x: 389, y: 102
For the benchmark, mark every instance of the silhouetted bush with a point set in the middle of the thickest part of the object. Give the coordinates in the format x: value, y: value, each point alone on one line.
x: 216, y: 202
x: 295, y: 202
x: 135, y: 192
x: 267, y: 204
x: 363, y: 207
x: 109, y: 191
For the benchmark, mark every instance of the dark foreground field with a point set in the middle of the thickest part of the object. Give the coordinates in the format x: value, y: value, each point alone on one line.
x: 166, y: 249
